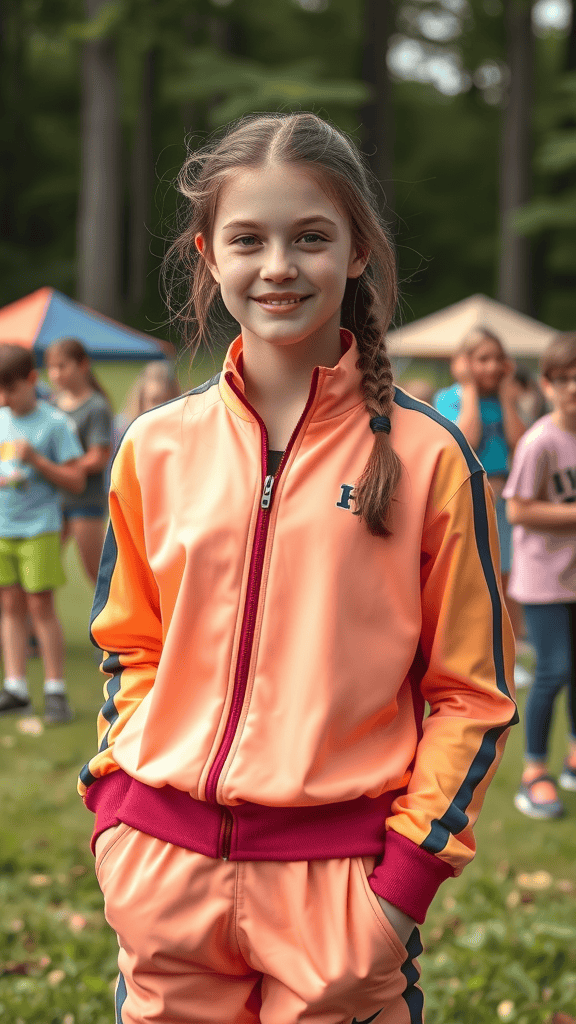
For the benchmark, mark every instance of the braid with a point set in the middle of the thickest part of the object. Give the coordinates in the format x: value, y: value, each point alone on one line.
x: 375, y: 489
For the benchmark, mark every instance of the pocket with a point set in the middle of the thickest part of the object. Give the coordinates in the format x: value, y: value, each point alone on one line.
x: 365, y: 867
x: 106, y: 841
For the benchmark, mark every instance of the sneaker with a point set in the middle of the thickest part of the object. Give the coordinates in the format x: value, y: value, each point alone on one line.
x: 522, y: 677
x: 524, y: 800
x: 567, y: 778
x: 56, y: 709
x: 9, y: 703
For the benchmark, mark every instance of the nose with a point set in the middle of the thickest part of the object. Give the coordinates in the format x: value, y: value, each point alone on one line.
x: 277, y: 265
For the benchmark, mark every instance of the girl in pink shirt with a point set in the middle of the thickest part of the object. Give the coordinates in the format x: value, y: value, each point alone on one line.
x: 541, y: 505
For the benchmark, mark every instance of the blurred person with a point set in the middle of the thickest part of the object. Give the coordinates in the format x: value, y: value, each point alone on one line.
x: 80, y: 395
x: 300, y: 557
x: 156, y: 384
x: 530, y: 401
x: 420, y: 389
x: 540, y: 496
x: 39, y: 453
x: 483, y: 404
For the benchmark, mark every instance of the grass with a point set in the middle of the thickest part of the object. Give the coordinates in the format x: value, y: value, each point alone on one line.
x: 500, y: 940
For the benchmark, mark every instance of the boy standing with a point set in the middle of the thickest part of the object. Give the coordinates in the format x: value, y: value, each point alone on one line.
x: 541, y: 505
x: 39, y: 452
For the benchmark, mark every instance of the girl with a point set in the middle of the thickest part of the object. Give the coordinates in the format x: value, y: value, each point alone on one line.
x: 483, y: 404
x: 540, y: 493
x: 284, y: 585
x: 81, y: 396
x: 156, y: 384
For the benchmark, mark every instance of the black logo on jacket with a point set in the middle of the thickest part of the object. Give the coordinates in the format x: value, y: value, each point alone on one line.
x: 346, y: 491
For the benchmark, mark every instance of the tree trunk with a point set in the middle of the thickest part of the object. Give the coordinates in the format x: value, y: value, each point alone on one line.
x: 15, y: 153
x: 100, y: 206
x: 514, y: 279
x: 377, y: 115
x: 142, y: 170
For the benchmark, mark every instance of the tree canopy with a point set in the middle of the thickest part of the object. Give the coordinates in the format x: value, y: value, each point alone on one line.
x: 424, y: 91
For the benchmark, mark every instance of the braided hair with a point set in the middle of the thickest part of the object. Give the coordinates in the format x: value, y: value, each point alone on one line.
x: 369, y: 301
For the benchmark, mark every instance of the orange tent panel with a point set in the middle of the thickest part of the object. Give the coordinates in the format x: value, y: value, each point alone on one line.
x: 21, y: 320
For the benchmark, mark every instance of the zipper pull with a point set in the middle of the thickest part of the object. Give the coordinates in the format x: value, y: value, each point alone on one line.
x: 267, y: 492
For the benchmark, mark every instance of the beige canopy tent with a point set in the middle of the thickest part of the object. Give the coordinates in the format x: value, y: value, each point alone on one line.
x: 438, y: 335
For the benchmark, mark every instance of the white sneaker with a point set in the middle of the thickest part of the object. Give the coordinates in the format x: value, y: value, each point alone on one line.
x: 522, y: 677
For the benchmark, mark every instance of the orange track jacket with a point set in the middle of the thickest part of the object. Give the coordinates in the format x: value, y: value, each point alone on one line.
x: 281, y: 683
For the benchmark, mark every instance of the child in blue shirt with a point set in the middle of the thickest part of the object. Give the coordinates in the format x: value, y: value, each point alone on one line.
x: 483, y: 402
x: 39, y: 452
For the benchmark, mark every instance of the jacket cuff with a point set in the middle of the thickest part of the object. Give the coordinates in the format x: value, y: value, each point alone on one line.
x: 104, y: 797
x: 408, y: 876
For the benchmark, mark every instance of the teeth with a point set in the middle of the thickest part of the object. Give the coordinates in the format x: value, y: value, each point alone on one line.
x: 279, y: 302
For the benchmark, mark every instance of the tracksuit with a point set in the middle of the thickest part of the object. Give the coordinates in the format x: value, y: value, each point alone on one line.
x: 299, y: 716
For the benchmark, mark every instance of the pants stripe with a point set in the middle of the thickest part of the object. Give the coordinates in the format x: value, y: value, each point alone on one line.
x: 412, y: 994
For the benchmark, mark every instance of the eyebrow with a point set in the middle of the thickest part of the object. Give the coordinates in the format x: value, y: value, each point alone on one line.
x: 314, y: 219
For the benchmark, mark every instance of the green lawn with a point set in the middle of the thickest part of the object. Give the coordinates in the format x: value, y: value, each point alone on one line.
x: 500, y: 941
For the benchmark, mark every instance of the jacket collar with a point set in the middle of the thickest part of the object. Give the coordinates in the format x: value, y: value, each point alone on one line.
x: 338, y: 389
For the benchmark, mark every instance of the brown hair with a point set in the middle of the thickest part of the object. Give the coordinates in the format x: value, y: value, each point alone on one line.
x: 369, y: 301
x: 474, y: 339
x: 72, y: 348
x: 559, y: 354
x: 16, y: 363
x: 159, y: 372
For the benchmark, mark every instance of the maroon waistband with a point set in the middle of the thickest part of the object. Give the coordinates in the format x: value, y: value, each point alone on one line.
x: 353, y: 828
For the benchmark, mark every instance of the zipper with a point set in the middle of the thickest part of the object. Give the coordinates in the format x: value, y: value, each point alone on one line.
x: 251, y: 603
x: 266, y: 499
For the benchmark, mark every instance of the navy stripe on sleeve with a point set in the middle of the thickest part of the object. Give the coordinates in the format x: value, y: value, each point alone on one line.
x: 107, y: 566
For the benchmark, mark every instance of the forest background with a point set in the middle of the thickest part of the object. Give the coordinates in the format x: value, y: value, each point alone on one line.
x: 466, y: 110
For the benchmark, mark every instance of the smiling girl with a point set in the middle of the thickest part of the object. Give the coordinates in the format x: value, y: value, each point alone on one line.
x: 300, y: 557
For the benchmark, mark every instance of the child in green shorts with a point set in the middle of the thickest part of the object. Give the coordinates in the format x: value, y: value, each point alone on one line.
x: 39, y: 452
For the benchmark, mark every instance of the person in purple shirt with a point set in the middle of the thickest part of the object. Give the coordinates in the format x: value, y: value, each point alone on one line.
x: 540, y: 498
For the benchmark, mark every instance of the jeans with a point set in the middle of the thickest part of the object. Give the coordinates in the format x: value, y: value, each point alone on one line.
x: 552, y: 632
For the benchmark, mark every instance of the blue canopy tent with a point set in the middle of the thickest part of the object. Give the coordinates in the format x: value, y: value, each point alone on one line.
x: 46, y: 315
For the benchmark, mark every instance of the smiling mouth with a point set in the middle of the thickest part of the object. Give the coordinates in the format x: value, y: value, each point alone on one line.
x: 292, y: 301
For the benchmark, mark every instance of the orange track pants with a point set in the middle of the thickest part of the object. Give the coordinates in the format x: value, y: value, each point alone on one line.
x: 206, y: 941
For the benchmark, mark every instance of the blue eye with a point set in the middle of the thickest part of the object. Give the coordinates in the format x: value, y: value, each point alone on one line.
x: 245, y: 241
x: 312, y: 236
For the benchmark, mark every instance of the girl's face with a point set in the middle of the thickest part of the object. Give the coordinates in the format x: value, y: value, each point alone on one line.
x: 488, y: 365
x: 65, y: 373
x: 282, y: 252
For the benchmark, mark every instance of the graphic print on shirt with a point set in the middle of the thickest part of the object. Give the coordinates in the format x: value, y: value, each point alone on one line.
x: 565, y: 484
x: 11, y: 467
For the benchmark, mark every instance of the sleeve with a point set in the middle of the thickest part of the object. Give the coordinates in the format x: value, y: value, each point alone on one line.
x: 464, y: 670
x: 66, y: 443
x: 99, y: 427
x: 126, y: 622
x: 529, y: 470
